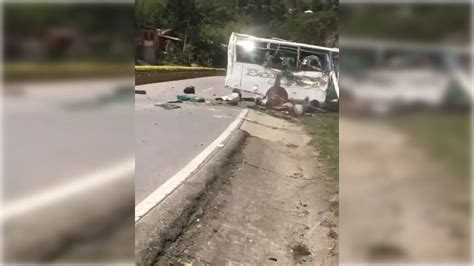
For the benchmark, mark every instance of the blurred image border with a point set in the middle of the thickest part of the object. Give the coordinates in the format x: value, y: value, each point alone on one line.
x: 470, y: 46
x: 2, y: 128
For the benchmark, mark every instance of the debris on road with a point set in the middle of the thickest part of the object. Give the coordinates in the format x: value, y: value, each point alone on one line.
x: 177, y: 101
x: 190, y: 98
x: 230, y: 99
x: 248, y: 99
x: 140, y: 91
x: 277, y: 99
x: 311, y: 109
x: 298, y: 109
x: 189, y: 90
x: 233, y: 99
x: 168, y: 106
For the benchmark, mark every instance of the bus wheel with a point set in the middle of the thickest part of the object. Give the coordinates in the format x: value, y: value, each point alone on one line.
x: 280, y: 91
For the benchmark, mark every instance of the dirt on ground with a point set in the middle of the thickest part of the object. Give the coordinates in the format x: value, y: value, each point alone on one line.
x: 272, y: 207
x: 397, y: 204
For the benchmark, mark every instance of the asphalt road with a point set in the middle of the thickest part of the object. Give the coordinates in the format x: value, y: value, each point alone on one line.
x: 166, y: 140
x: 68, y: 171
x: 55, y: 132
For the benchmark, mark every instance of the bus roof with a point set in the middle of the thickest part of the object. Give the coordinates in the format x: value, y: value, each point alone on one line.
x: 283, y: 42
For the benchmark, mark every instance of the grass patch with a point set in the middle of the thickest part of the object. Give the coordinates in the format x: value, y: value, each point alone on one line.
x: 324, y: 131
x: 175, y: 68
x: 445, y: 136
x: 14, y: 71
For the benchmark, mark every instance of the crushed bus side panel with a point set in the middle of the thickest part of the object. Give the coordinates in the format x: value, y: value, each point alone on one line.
x: 306, y: 71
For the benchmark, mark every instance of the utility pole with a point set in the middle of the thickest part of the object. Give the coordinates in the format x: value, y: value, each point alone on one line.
x: 186, y: 36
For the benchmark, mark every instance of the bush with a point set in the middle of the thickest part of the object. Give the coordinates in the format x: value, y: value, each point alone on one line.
x: 175, y: 68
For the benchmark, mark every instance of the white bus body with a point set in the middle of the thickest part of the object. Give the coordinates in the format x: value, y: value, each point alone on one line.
x: 254, y: 77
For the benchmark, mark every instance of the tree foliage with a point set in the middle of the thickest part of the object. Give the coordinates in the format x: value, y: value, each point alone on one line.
x: 418, y: 22
x: 207, y: 24
x: 100, y: 31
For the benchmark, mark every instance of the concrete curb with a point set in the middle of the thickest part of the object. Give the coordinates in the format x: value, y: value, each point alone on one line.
x: 147, y: 77
x: 165, y: 222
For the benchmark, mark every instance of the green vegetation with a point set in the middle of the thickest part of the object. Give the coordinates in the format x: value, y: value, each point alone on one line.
x: 27, y: 70
x: 414, y: 22
x: 446, y: 138
x: 324, y: 130
x: 98, y: 32
x: 174, y: 68
x: 207, y: 24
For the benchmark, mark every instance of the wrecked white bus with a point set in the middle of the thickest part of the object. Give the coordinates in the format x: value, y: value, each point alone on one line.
x: 306, y: 71
x: 381, y: 77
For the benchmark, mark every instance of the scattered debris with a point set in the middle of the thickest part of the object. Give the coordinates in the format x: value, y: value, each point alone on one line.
x: 248, y: 99
x: 233, y: 99
x: 327, y: 223
x: 296, y: 175
x: 298, y: 109
x: 272, y: 259
x: 140, y: 91
x: 291, y: 145
x: 332, y: 234
x: 300, y: 252
x: 238, y: 92
x: 275, y: 99
x: 303, y: 204
x: 190, y: 98
x: 189, y: 90
x: 167, y: 106
x: 334, y: 199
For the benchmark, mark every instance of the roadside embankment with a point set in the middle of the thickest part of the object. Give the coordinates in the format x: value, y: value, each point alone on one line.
x: 164, y: 223
x: 270, y: 204
x: 152, y: 74
x: 46, y: 71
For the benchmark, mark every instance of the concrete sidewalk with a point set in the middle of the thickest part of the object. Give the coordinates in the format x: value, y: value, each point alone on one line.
x: 270, y: 206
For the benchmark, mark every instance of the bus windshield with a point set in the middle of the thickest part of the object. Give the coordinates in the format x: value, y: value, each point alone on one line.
x: 282, y: 57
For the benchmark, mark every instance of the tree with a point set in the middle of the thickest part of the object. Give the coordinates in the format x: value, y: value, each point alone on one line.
x: 212, y: 21
x: 317, y: 5
x: 146, y: 12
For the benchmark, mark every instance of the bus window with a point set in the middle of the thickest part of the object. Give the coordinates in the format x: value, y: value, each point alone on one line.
x: 250, y: 52
x: 335, y: 63
x: 286, y: 59
x: 314, y: 61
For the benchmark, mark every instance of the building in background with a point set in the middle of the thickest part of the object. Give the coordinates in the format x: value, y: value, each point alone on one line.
x: 150, y: 43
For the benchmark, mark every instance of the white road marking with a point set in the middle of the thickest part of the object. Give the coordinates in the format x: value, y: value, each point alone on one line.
x: 169, y: 186
x: 123, y: 169
x: 208, y: 89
